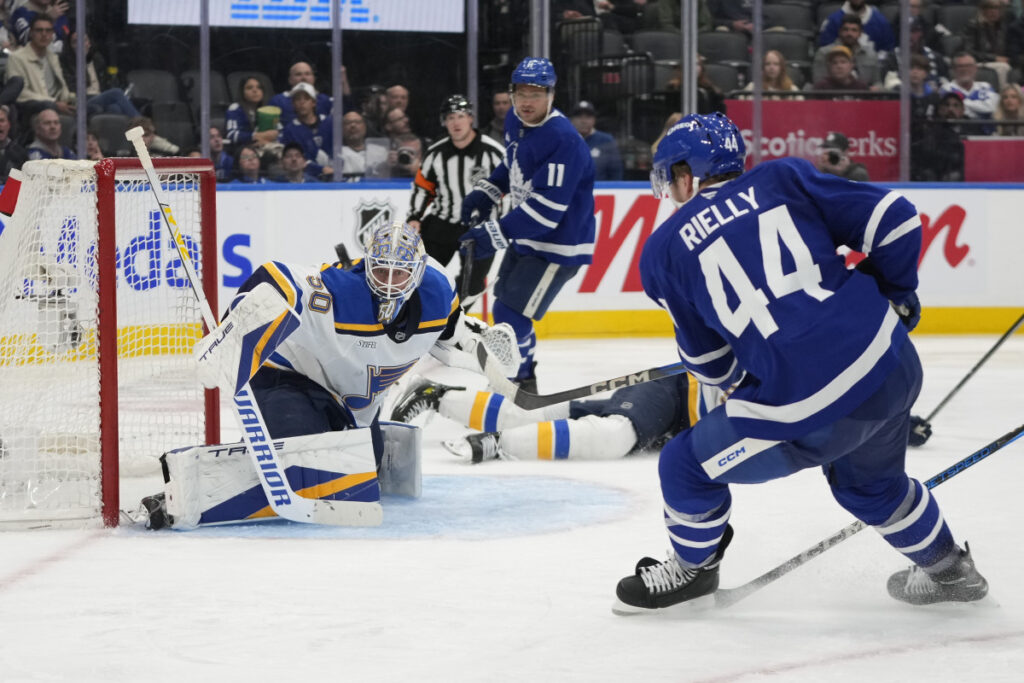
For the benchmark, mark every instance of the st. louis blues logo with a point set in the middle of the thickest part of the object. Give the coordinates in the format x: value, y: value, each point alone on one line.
x: 378, y: 379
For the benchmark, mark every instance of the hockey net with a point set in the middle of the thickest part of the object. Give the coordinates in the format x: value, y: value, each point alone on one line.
x: 97, y: 325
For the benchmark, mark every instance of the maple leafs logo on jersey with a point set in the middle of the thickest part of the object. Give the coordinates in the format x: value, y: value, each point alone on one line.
x: 519, y: 186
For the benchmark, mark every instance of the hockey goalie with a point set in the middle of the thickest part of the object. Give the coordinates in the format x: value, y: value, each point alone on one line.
x: 318, y: 348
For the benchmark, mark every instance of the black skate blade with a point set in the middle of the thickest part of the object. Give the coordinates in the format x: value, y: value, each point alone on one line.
x: 689, y: 608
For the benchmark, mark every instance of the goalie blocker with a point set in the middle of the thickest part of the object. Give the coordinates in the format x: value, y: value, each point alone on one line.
x: 214, y: 485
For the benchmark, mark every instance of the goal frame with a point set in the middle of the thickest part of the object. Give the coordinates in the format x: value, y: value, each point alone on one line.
x: 108, y: 172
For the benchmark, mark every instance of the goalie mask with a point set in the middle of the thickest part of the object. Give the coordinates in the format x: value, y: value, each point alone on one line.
x: 711, y: 144
x: 395, y: 263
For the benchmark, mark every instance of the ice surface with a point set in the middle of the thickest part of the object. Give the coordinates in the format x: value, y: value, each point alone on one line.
x: 505, y: 571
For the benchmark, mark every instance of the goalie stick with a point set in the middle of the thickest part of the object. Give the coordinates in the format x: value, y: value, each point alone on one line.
x: 283, y: 499
x: 730, y: 596
x: 528, y: 401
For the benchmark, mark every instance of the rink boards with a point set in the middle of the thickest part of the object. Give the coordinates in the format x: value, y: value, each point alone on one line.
x: 971, y: 278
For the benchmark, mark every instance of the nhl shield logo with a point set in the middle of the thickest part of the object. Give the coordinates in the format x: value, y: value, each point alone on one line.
x: 370, y: 215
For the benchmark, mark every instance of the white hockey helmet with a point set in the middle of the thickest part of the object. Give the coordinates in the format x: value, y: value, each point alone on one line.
x: 395, y: 263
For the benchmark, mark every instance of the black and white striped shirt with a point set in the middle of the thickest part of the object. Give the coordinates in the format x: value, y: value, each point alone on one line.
x: 447, y: 175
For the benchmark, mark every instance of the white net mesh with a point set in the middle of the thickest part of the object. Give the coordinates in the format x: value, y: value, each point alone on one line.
x: 50, y: 466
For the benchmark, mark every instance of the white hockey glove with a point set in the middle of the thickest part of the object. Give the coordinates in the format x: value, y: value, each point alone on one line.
x: 229, y: 356
x: 460, y: 350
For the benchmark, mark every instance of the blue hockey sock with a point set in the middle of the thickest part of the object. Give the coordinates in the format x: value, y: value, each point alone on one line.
x: 695, y: 538
x: 918, y: 530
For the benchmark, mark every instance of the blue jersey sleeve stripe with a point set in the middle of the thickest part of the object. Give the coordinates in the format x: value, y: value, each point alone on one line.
x: 908, y: 226
x: 715, y: 381
x: 831, y: 392
x: 541, y: 199
x: 529, y: 211
x: 704, y: 357
x: 586, y: 248
x: 876, y: 219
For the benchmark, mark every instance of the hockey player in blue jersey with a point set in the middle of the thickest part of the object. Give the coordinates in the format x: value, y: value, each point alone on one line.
x: 748, y: 270
x: 549, y: 231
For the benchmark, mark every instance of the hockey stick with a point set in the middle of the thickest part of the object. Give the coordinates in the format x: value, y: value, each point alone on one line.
x: 730, y: 596
x: 284, y: 501
x: 922, y: 428
x: 468, y: 247
x: 528, y: 401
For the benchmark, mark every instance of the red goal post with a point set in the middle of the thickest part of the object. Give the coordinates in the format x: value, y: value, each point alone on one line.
x: 97, y: 324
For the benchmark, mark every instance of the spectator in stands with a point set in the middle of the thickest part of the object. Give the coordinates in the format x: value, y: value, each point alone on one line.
x: 1010, y: 109
x: 623, y: 16
x: 248, y: 170
x: 865, y: 60
x: 931, y: 34
x: 398, y: 97
x: 312, y: 131
x: 375, y: 111
x: 46, y: 144
x: 985, y: 38
x: 979, y: 99
x: 876, y: 27
x: 1015, y: 43
x: 55, y: 10
x: 709, y: 97
x: 840, y: 72
x: 360, y: 157
x: 100, y: 98
x: 938, y: 72
x: 603, y: 150
x: 834, y: 158
x: 295, y: 166
x: 501, y: 102
x: 223, y: 163
x: 397, y: 127
x: 93, y: 151
x: 406, y: 156
x: 12, y: 155
x: 40, y: 70
x: 924, y: 95
x: 241, y: 120
x: 157, y: 146
x: 775, y: 78
x: 733, y: 15
x: 300, y: 72
x: 939, y: 154
x: 669, y: 19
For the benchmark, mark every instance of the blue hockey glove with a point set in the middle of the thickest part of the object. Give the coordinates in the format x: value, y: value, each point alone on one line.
x: 477, y: 205
x: 488, y: 238
x: 909, y: 311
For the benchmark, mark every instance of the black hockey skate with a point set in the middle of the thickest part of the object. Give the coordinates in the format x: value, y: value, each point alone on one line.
x: 959, y: 583
x: 156, y: 508
x: 421, y: 396
x: 484, y: 446
x: 657, y: 585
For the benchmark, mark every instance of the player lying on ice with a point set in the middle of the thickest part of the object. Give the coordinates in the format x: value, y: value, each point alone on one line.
x: 634, y: 418
x: 748, y: 270
x: 322, y: 345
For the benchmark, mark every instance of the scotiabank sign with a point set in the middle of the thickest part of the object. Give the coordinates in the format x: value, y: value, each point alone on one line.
x: 797, y: 129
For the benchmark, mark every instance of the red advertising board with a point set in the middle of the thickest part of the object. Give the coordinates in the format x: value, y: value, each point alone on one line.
x: 796, y: 129
x: 994, y: 160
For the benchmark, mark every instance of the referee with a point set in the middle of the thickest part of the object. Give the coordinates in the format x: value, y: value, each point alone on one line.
x: 446, y: 175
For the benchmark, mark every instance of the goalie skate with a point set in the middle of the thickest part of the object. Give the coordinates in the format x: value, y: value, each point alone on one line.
x: 476, y: 447
x: 421, y: 396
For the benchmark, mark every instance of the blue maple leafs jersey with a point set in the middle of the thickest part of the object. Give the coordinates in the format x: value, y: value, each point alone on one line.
x: 749, y: 272
x: 549, y: 174
x: 340, y: 344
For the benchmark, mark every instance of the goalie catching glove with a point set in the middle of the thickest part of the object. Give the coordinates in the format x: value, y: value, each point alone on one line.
x: 257, y: 324
x: 460, y: 350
